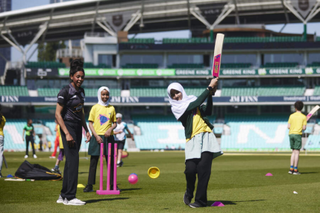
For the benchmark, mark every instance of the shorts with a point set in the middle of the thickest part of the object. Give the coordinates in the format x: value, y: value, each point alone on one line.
x: 295, y: 141
x: 61, y: 154
x: 121, y: 144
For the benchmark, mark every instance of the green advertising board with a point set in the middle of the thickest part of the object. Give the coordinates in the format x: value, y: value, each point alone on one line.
x: 122, y: 72
x: 195, y: 72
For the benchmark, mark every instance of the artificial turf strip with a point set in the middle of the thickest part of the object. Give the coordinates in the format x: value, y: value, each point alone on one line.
x: 239, y: 182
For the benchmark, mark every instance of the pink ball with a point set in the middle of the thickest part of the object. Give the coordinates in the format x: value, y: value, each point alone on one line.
x: 133, y: 178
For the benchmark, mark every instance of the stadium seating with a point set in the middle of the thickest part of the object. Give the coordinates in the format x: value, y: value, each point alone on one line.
x: 186, y: 66
x: 263, y: 91
x: 236, y: 39
x: 148, y: 92
x: 184, y: 40
x: 161, y: 91
x: 280, y: 65
x: 159, y: 132
x: 256, y: 133
x: 13, y: 135
x: 141, y: 66
x: 313, y: 142
x: 316, y: 90
x: 314, y: 64
x: 90, y: 65
x: 45, y: 64
x: 141, y: 40
x: 263, y: 39
x: 50, y: 92
x: 14, y: 90
x: 235, y: 65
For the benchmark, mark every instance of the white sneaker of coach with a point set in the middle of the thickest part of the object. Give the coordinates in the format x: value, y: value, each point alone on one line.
x: 60, y: 199
x: 34, y: 156
x: 26, y: 156
x: 75, y: 202
x: 65, y: 201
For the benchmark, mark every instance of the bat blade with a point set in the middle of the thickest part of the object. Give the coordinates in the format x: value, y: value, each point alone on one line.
x: 217, y: 55
x: 312, y: 112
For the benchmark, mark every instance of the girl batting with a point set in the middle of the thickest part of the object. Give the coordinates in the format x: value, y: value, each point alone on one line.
x: 202, y: 146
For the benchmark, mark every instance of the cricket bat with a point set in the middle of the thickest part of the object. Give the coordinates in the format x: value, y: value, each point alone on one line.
x: 217, y: 55
x: 312, y: 112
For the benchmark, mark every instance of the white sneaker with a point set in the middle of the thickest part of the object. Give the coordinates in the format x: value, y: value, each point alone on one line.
x: 65, y: 201
x: 26, y: 156
x: 60, y: 199
x: 75, y: 202
x: 34, y: 156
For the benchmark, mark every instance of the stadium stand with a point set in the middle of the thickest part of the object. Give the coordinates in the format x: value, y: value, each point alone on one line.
x: 13, y: 134
x: 51, y: 92
x: 14, y: 90
x: 316, y: 90
x: 141, y: 40
x: 161, y: 91
x: 235, y: 65
x: 160, y: 132
x: 226, y: 40
x: 263, y: 91
x: 313, y: 142
x: 186, y: 66
x: 90, y: 65
x: 314, y: 64
x: 256, y: 132
x: 45, y: 64
x: 138, y: 66
x: 280, y: 65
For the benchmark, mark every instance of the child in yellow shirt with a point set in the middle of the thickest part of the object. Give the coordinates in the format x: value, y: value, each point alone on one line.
x: 102, y: 121
x: 296, y: 124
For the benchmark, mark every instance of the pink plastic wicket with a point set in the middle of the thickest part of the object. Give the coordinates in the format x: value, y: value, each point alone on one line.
x: 108, y: 191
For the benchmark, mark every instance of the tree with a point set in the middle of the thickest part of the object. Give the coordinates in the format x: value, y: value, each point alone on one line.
x: 47, y: 51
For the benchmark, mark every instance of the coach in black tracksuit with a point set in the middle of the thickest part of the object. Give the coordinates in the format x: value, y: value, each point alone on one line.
x: 70, y: 116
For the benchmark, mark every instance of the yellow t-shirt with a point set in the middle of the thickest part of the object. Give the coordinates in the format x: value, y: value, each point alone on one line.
x: 102, y: 117
x: 297, y: 120
x: 3, y: 122
x: 198, y: 125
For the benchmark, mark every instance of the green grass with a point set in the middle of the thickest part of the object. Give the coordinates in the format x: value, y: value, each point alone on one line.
x: 238, y: 181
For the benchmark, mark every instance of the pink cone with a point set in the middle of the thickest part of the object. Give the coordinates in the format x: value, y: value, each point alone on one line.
x: 269, y: 174
x: 217, y: 203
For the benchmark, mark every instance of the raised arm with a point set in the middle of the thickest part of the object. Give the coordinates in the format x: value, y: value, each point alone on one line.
x: 203, y: 96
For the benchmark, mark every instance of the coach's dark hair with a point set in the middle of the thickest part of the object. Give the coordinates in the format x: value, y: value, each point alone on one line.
x: 75, y: 66
x: 298, y: 105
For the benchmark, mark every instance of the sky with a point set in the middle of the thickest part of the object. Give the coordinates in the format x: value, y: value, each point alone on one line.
x: 22, y: 4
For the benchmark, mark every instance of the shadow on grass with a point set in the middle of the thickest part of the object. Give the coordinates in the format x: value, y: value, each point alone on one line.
x: 305, y: 173
x: 107, y: 199
x: 132, y: 189
x: 80, y: 173
x: 228, y: 202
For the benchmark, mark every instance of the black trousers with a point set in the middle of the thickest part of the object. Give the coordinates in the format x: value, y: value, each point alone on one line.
x: 202, y: 167
x: 30, y: 139
x: 94, y: 162
x: 71, y: 167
